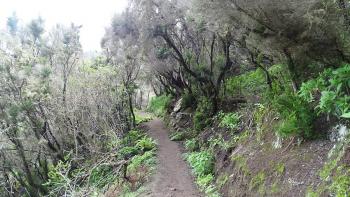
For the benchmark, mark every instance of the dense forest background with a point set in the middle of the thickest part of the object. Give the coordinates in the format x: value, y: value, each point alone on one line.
x: 266, y: 71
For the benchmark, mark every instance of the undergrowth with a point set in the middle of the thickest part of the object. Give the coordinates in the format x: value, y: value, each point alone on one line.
x: 296, y: 116
x: 136, y: 150
x: 202, y: 164
x: 229, y: 120
x: 329, y: 92
x: 141, y: 118
x: 202, y: 114
x: 158, y: 105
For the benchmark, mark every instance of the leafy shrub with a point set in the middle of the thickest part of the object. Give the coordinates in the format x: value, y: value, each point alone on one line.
x: 132, y: 136
x: 158, y: 105
x: 135, y: 145
x: 203, y: 112
x: 311, y: 193
x: 146, y: 144
x: 341, y: 182
x: 241, y: 163
x: 204, y: 181
x: 177, y: 136
x: 192, y: 144
x: 346, y: 115
x: 327, y: 101
x: 279, y: 168
x: 202, y: 162
x: 332, y: 87
x: 254, y: 82
x: 296, y: 115
x: 188, y: 100
x: 205, y: 184
x: 219, y: 141
x: 247, y: 83
x: 127, y: 152
x: 222, y: 180
x: 59, y: 180
x: 308, y: 90
x: 258, y: 181
x: 101, y: 176
x: 229, y: 120
x: 147, y: 159
x: 141, y: 118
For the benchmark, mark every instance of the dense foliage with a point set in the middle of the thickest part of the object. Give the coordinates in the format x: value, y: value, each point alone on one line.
x: 159, y: 105
x: 245, y: 67
x: 329, y: 92
x: 55, y: 104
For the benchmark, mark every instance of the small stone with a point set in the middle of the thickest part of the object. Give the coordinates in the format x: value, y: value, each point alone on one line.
x: 172, y: 189
x: 178, y: 106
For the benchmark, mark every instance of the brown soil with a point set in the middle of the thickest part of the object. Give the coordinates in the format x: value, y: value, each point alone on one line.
x: 173, y: 177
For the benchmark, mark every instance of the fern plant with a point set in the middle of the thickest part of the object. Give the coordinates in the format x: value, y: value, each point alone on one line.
x: 146, y: 144
x: 334, y: 89
x: 229, y: 120
x: 202, y: 162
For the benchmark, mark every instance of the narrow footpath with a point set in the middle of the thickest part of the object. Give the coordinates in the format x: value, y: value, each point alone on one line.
x: 173, y: 177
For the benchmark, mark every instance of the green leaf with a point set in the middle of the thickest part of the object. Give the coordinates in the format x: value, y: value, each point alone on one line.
x: 346, y: 115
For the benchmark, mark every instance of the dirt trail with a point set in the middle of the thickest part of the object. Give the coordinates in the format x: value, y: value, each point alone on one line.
x: 173, y: 177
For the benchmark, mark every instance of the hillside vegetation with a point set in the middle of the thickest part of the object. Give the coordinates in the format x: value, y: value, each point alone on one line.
x: 257, y: 92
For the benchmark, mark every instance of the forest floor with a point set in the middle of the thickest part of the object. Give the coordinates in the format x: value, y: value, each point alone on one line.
x: 173, y: 177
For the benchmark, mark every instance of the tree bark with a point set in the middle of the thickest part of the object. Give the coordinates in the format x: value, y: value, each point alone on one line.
x: 131, y: 108
x: 343, y: 7
x: 292, y: 70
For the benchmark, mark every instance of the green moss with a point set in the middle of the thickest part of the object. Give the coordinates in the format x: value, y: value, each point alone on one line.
x: 336, y: 176
x: 275, y: 188
x: 279, y: 169
x: 241, y: 163
x: 243, y: 136
x: 311, y: 193
x: 258, y: 181
x: 127, y: 192
x: 132, y: 136
x: 327, y: 169
x: 222, y: 180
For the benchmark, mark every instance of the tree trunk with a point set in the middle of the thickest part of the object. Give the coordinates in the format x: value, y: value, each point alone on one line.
x: 34, y: 186
x: 64, y: 91
x: 141, y: 99
x: 131, y: 108
x: 292, y: 70
x: 343, y: 7
x: 268, y: 77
